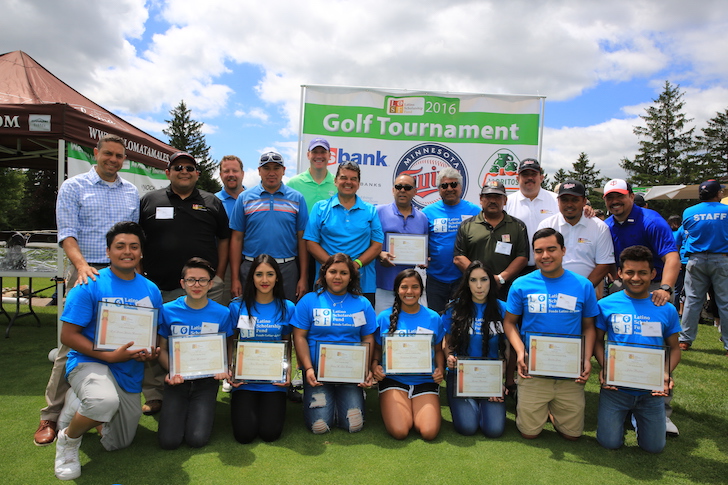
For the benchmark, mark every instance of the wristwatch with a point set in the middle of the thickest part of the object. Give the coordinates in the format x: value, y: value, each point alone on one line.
x: 666, y: 288
x: 501, y: 280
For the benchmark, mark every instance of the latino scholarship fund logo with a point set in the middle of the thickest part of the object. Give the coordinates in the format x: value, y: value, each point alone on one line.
x: 502, y: 166
x: 424, y: 162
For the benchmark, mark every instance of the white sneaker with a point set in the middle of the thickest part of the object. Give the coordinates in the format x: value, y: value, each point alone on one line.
x: 226, y: 386
x: 670, y: 428
x: 68, y: 464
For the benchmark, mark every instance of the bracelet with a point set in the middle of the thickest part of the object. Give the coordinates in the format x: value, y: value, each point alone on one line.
x: 308, y: 369
x: 358, y: 261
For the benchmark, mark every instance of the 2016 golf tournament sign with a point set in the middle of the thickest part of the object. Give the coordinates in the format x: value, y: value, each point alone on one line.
x: 389, y: 132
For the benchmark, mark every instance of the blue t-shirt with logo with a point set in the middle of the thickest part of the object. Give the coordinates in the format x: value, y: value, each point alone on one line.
x: 425, y: 321
x: 475, y: 343
x: 82, y: 307
x: 180, y: 319
x: 333, y: 318
x: 265, y: 322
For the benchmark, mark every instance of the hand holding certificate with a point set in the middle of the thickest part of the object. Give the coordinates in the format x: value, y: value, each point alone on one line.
x: 343, y: 363
x: 261, y: 361
x: 635, y: 367
x: 118, y: 324
x: 410, y: 354
x: 479, y: 378
x: 409, y: 249
x: 197, y: 356
x: 552, y: 355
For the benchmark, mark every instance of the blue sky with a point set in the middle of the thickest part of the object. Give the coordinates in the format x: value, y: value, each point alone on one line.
x: 239, y: 64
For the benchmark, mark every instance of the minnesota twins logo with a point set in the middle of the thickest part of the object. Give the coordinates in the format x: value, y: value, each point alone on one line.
x: 423, y: 162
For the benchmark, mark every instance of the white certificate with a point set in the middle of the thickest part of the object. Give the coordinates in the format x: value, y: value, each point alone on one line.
x: 479, y: 378
x: 342, y: 363
x: 118, y: 324
x: 552, y: 355
x: 196, y: 356
x: 635, y: 367
x: 257, y: 361
x: 408, y: 354
x: 410, y: 249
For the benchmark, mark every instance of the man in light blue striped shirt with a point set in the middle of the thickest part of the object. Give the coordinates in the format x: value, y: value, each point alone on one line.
x: 88, y: 205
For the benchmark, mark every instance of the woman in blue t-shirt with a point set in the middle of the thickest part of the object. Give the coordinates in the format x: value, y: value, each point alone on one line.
x: 473, y: 323
x: 262, y: 313
x: 336, y: 313
x: 410, y: 401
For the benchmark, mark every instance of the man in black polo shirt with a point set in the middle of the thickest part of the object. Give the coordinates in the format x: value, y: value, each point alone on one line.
x: 180, y: 222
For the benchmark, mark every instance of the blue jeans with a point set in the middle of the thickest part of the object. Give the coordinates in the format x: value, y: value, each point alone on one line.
x: 188, y: 413
x: 702, y: 270
x: 469, y: 414
x: 333, y: 404
x: 439, y: 293
x: 648, y: 411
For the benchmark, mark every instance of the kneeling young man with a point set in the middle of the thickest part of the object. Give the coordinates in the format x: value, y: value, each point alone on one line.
x: 630, y: 317
x: 105, y: 386
x: 551, y: 300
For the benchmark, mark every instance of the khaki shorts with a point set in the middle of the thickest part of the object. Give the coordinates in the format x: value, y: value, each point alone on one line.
x: 539, y: 396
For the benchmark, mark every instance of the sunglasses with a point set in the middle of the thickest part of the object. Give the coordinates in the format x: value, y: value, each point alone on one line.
x: 452, y: 185
x: 275, y: 157
x: 189, y: 168
x: 403, y: 186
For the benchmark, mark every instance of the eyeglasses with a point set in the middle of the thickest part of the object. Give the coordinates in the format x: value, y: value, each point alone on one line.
x: 275, y: 157
x: 403, y: 186
x: 189, y: 168
x: 452, y: 185
x: 200, y: 281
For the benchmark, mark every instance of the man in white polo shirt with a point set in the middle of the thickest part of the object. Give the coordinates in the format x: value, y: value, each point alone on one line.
x: 589, y: 247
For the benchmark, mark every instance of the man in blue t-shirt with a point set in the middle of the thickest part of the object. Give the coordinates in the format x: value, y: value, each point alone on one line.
x: 706, y: 241
x: 631, y: 318
x: 444, y: 217
x: 552, y: 300
x: 105, y: 384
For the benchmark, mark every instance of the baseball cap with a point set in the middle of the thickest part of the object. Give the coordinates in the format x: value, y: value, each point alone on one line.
x: 709, y: 189
x: 529, y: 164
x: 319, y: 142
x: 617, y: 185
x: 274, y: 157
x: 493, y: 187
x: 179, y: 156
x: 572, y: 187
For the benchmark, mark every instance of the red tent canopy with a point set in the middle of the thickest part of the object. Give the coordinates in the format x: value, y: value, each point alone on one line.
x: 37, y: 109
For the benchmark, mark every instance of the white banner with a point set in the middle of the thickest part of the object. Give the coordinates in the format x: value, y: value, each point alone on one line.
x: 389, y: 132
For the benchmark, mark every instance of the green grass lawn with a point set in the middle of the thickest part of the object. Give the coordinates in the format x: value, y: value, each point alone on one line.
x: 698, y: 455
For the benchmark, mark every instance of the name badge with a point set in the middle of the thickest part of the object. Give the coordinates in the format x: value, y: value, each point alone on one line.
x: 651, y: 329
x: 165, y: 213
x: 208, y: 327
x: 567, y: 302
x: 423, y: 331
x: 503, y: 248
x: 359, y: 319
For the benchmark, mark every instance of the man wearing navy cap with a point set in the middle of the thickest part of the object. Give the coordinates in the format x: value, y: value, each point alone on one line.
x: 316, y: 183
x: 270, y: 219
x: 706, y: 241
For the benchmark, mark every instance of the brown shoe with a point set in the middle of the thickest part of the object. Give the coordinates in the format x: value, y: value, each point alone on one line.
x: 684, y: 345
x: 45, y: 434
x: 152, y: 407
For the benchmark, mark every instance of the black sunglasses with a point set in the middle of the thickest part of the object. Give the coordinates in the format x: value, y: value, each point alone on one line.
x: 189, y: 168
x: 275, y: 157
x: 403, y: 186
x: 452, y: 185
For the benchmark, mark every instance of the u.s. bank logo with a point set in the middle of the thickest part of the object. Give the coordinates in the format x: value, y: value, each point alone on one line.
x: 322, y: 317
x: 424, y: 162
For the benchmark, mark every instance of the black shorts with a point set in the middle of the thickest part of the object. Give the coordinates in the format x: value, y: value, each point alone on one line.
x: 388, y: 384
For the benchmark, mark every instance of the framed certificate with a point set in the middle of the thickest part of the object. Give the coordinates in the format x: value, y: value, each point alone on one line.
x: 342, y: 363
x: 261, y: 361
x: 479, y: 378
x: 118, y: 324
x: 637, y: 367
x: 410, y: 249
x: 408, y: 354
x: 555, y: 355
x: 197, y: 356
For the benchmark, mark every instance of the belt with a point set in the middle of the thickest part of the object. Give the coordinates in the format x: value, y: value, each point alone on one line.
x: 278, y: 260
x: 99, y: 265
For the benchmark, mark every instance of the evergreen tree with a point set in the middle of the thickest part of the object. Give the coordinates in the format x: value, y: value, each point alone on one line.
x: 559, y: 177
x: 185, y: 134
x: 12, y: 183
x: 666, y: 147
x: 590, y: 176
x: 713, y: 144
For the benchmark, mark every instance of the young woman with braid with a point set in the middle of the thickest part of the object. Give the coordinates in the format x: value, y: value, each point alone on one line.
x: 473, y: 323
x: 410, y: 401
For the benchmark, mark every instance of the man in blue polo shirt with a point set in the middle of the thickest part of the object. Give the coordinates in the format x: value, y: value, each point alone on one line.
x: 550, y: 300
x: 630, y: 317
x: 231, y: 174
x: 402, y: 217
x: 270, y: 219
x: 444, y: 218
x: 706, y: 241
